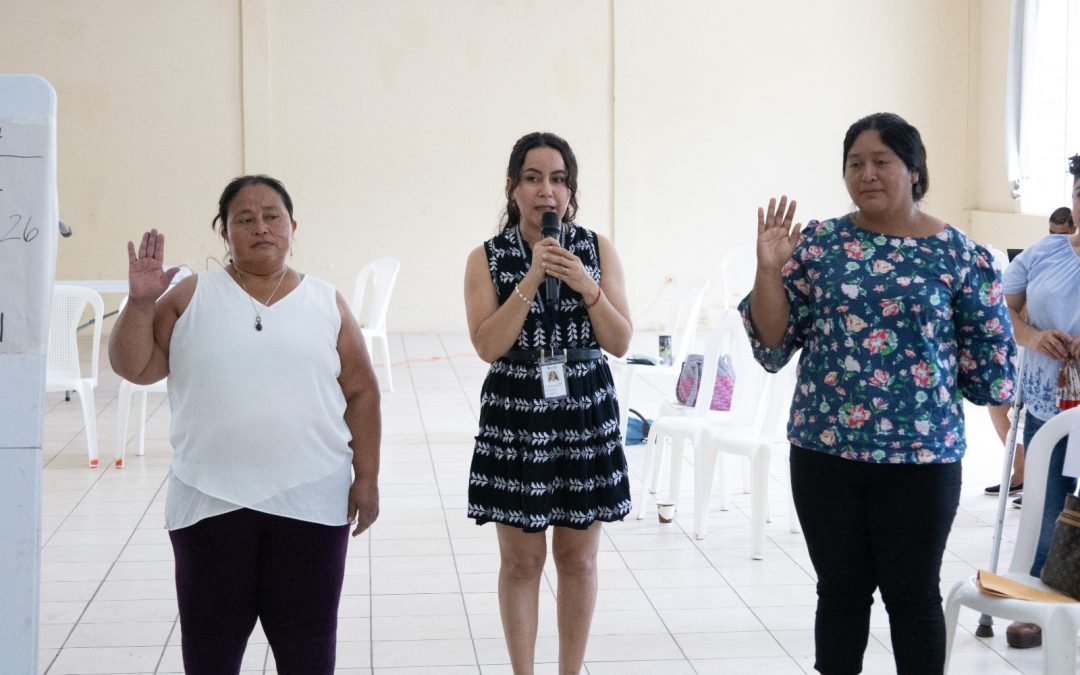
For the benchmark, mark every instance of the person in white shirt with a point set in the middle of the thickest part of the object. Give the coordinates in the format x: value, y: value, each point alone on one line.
x: 275, y: 434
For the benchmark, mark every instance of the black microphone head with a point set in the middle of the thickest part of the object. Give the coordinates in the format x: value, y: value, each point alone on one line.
x: 549, y: 225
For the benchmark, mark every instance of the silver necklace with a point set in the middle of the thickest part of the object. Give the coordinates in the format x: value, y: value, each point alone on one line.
x: 258, y: 315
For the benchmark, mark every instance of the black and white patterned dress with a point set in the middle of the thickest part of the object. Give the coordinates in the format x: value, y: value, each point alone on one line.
x: 536, y: 462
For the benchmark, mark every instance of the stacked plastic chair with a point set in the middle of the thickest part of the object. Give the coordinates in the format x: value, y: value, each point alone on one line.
x: 371, y: 303
x: 64, y: 371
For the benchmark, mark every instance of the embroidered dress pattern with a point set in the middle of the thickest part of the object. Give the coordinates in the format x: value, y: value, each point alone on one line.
x: 538, y: 462
x: 894, y: 332
x: 1048, y: 273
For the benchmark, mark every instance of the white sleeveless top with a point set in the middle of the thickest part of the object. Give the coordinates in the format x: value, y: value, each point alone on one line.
x: 257, y: 416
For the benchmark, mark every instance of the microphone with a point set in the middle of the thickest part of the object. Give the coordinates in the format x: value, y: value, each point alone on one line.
x: 550, y: 227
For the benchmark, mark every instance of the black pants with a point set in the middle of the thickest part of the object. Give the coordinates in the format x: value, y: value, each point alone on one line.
x: 243, y: 565
x: 873, y: 526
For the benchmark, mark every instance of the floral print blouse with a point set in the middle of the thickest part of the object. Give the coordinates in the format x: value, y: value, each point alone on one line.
x: 894, y: 331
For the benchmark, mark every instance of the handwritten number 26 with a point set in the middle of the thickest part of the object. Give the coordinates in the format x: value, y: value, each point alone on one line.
x: 28, y: 233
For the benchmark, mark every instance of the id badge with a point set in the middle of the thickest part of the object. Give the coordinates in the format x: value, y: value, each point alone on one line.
x: 553, y: 377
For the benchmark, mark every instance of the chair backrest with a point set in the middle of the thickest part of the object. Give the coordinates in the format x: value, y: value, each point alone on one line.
x: 738, y: 266
x: 68, y: 305
x: 716, y: 343
x: 749, y: 393
x: 760, y: 399
x: 728, y: 337
x: 371, y: 295
x: 1036, y: 470
x: 683, y: 323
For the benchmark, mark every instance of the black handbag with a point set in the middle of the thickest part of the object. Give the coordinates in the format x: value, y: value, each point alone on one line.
x: 1062, y: 568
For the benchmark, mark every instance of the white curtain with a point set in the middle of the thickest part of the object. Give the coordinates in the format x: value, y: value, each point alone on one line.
x: 1039, y: 96
x: 1019, y: 87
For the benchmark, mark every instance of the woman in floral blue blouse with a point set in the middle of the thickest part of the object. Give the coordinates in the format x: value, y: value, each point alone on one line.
x: 899, y: 316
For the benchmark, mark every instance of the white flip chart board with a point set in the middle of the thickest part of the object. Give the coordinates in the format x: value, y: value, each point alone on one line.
x: 28, y: 235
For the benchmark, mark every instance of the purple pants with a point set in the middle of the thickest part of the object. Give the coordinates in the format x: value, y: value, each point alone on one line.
x: 245, y: 565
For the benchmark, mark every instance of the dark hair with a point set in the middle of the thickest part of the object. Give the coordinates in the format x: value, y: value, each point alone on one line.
x: 238, y: 184
x: 1061, y: 216
x: 539, y: 139
x: 1074, y: 167
x: 902, y: 138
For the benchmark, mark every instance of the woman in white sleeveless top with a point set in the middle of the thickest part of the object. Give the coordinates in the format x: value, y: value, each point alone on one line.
x: 275, y: 434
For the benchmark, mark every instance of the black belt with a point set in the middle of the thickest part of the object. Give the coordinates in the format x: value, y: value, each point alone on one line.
x: 533, y: 355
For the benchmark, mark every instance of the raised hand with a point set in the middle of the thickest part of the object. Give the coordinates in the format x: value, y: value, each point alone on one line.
x: 147, y: 279
x: 776, y: 238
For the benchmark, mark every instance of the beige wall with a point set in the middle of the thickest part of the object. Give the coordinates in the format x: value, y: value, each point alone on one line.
x: 995, y: 217
x: 394, y: 122
x: 391, y: 121
x: 720, y: 106
x: 148, y: 125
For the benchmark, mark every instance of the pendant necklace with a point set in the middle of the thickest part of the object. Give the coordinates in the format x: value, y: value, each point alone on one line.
x: 258, y: 314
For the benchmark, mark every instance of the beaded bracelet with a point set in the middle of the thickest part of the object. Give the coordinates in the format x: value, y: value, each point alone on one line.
x: 599, y: 294
x: 517, y: 292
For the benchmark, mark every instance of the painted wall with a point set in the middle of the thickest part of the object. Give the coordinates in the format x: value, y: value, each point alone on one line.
x: 391, y: 121
x: 996, y: 216
x: 395, y: 120
x: 720, y: 106
x: 148, y: 127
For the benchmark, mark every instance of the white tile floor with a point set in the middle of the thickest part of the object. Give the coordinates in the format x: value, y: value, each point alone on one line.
x: 419, y: 594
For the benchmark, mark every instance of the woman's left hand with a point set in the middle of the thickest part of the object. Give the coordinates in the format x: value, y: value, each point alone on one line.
x: 568, y: 268
x: 363, y: 506
x: 1074, y: 346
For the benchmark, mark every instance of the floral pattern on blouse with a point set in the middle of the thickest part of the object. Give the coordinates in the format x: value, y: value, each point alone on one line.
x: 894, y: 332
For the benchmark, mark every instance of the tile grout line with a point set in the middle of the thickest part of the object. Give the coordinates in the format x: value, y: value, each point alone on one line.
x: 112, y: 566
x: 442, y: 504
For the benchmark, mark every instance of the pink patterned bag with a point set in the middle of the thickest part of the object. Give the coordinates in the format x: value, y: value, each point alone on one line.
x: 686, y: 387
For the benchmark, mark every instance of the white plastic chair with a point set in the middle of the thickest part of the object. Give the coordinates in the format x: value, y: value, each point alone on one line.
x: 123, y: 408
x: 738, y: 266
x: 1060, y: 622
x: 682, y: 327
x: 683, y: 324
x: 64, y: 371
x: 757, y: 444
x: 370, y: 304
x: 756, y: 423
x: 675, y: 424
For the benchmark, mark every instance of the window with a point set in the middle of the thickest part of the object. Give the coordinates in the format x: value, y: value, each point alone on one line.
x: 1050, y: 103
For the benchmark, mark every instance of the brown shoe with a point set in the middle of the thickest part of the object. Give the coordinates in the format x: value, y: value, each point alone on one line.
x: 1023, y: 635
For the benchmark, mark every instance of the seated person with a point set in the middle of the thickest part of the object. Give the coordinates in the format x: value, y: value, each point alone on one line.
x: 1061, y: 221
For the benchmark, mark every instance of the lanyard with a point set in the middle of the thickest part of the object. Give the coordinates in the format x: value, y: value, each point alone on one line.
x: 547, y: 318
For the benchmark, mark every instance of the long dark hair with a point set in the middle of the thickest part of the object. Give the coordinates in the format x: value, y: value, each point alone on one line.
x: 539, y: 139
x: 238, y: 184
x: 902, y: 138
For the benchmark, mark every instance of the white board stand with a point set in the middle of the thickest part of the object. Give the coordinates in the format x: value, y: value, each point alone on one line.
x: 28, y: 233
